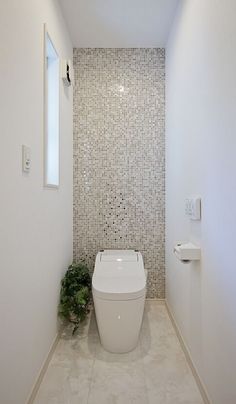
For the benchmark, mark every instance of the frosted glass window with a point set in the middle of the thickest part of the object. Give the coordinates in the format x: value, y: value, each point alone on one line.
x: 51, y: 114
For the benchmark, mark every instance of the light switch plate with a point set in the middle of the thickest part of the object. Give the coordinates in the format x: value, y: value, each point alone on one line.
x: 26, y: 158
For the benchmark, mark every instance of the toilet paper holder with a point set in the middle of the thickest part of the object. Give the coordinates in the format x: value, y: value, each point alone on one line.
x: 187, y: 252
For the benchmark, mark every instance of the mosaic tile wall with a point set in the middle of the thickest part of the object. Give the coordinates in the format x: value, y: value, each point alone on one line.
x: 119, y: 118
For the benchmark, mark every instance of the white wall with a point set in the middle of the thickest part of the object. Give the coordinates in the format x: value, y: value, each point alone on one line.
x: 201, y: 159
x: 35, y: 223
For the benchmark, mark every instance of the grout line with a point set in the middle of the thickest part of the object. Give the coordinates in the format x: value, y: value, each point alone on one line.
x: 185, y: 349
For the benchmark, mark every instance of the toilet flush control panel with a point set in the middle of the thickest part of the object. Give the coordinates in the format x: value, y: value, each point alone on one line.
x: 188, y: 252
x: 193, y: 208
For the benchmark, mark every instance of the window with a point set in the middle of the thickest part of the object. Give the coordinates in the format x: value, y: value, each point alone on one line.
x: 52, y: 70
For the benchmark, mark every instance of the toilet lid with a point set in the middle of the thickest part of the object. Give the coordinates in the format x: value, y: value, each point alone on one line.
x: 119, y: 275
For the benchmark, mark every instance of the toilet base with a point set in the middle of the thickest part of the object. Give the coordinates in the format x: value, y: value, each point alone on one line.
x: 119, y: 323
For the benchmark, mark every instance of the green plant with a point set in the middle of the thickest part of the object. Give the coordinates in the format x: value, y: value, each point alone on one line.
x: 75, y: 294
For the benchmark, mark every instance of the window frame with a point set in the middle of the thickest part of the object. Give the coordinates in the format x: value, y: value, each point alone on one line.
x: 47, y: 184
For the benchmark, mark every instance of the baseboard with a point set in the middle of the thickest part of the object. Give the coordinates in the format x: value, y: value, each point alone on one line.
x: 196, y: 376
x: 43, y: 371
x: 155, y: 299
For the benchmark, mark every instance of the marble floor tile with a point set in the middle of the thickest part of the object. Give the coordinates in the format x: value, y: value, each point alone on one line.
x: 156, y: 372
x: 118, y: 378
x: 167, y: 375
x: 68, y: 377
x: 118, y: 382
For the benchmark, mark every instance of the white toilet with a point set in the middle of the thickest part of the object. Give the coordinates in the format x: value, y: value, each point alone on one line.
x: 119, y: 290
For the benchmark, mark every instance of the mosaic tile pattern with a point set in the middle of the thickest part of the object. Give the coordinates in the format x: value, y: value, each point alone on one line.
x: 119, y: 179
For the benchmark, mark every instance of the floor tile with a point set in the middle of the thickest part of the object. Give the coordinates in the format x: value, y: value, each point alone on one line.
x: 118, y: 382
x: 118, y: 378
x: 156, y: 372
x: 167, y: 375
x: 68, y: 378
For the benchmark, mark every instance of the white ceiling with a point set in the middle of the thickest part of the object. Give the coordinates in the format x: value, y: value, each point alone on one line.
x: 119, y: 23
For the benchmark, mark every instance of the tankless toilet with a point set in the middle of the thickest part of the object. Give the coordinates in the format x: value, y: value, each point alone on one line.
x: 119, y: 289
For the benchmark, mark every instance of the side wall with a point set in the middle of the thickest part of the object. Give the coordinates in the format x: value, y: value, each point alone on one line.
x: 119, y: 155
x: 200, y: 155
x: 36, y: 223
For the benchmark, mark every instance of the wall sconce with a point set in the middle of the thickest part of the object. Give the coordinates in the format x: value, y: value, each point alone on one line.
x: 67, y: 73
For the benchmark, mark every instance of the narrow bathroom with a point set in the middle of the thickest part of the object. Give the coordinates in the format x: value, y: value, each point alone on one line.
x: 117, y: 206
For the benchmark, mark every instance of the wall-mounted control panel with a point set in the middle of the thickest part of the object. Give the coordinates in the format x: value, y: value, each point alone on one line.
x: 193, y: 208
x: 26, y: 159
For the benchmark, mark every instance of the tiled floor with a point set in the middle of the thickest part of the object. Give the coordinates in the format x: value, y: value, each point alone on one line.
x: 156, y: 372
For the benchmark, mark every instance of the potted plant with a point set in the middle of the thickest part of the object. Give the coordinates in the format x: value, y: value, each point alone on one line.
x: 75, y: 294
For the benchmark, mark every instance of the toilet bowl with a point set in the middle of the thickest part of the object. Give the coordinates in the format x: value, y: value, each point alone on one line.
x: 119, y: 290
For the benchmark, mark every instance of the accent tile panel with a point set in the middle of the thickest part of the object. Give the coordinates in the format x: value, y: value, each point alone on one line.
x: 119, y: 179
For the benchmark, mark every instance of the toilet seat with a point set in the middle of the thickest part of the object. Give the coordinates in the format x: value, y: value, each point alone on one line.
x: 119, y: 275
